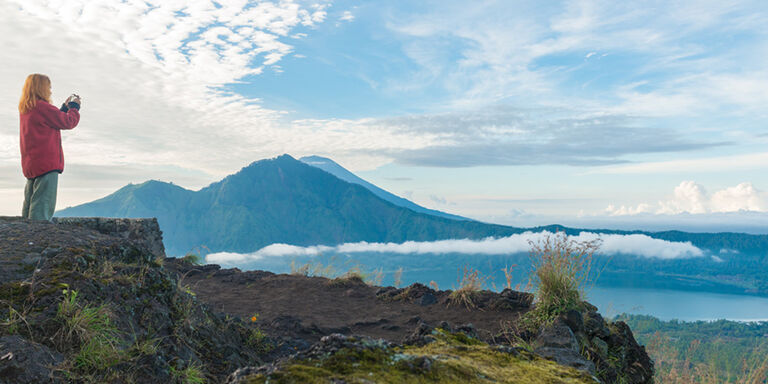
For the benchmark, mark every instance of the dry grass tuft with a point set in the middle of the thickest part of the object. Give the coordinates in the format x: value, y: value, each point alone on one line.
x: 469, y: 282
x: 561, y: 270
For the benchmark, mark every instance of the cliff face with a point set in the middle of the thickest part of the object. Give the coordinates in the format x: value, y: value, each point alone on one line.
x: 94, y: 300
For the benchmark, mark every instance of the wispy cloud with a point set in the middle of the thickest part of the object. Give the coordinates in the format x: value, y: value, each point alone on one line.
x: 749, y: 161
x: 637, y: 245
x: 534, y: 51
x: 152, y: 76
x: 505, y: 135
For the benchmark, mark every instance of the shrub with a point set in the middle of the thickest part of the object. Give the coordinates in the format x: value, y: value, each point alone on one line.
x: 561, y: 270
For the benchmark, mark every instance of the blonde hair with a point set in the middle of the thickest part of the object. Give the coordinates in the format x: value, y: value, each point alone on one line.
x: 36, y: 87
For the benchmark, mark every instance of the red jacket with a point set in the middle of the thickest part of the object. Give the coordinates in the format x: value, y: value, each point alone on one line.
x: 41, y: 138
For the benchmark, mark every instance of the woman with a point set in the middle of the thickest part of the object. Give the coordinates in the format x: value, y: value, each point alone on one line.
x: 41, y: 156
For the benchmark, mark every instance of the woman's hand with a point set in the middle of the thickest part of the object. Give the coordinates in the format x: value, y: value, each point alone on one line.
x: 74, y: 99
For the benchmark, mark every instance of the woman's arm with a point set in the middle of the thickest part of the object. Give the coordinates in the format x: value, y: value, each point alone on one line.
x: 59, y: 119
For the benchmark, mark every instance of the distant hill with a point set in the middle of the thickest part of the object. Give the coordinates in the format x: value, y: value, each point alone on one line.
x: 280, y: 200
x: 337, y: 170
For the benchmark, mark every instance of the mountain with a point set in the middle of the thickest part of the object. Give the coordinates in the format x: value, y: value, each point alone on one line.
x: 284, y: 200
x: 280, y: 200
x: 337, y: 170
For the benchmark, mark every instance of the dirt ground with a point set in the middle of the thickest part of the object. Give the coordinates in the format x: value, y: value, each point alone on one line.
x: 311, y: 307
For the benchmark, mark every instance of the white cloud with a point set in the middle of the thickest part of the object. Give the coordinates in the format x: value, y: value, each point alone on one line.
x: 638, y: 245
x: 347, y: 16
x: 688, y: 197
x: 691, y: 198
x: 743, y: 197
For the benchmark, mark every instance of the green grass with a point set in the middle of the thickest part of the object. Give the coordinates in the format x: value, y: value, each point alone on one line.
x: 452, y: 358
x: 193, y: 258
x: 90, y: 331
x: 192, y: 374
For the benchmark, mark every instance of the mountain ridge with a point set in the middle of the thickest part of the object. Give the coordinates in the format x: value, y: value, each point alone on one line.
x: 337, y: 170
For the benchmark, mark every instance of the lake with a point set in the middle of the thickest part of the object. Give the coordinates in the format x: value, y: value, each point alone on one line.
x: 668, y: 304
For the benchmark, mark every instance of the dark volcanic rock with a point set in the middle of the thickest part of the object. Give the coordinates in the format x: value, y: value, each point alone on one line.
x: 143, y: 232
x: 422, y: 335
x: 567, y: 357
x: 512, y: 300
x: 557, y: 342
x: 26, y: 362
x: 155, y: 323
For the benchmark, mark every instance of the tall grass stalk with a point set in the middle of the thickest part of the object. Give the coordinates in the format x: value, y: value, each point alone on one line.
x: 561, y: 270
x: 398, y: 278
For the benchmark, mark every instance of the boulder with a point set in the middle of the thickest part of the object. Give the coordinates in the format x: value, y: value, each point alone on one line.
x: 23, y: 361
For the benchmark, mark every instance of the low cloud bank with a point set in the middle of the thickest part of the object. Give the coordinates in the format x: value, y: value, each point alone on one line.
x: 638, y: 245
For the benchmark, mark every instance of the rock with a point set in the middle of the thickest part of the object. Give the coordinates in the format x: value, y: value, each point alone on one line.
x: 414, y: 320
x: 558, y: 343
x: 638, y: 367
x: 557, y: 335
x: 515, y: 351
x: 51, y: 251
x: 144, y: 232
x: 329, y: 345
x: 241, y: 374
x: 23, y: 361
x: 416, y: 292
x: 384, y: 291
x: 594, y: 325
x: 422, y: 335
x: 573, y: 319
x: 601, y: 346
x: 427, y: 299
x: 511, y: 300
x: 569, y: 357
x: 31, y: 258
x: 420, y: 365
x: 467, y: 329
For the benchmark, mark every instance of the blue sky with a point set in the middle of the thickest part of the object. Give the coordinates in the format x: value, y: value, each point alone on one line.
x: 508, y: 111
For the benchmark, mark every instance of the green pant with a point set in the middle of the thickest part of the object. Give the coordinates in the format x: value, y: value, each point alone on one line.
x: 40, y: 197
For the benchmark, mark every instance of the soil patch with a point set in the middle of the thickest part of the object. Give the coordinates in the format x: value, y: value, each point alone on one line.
x: 311, y: 307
